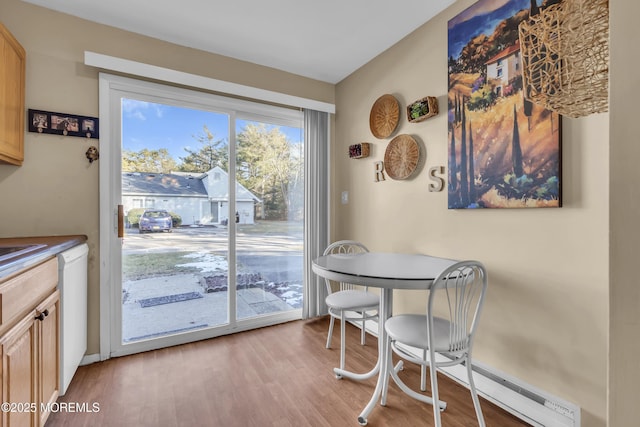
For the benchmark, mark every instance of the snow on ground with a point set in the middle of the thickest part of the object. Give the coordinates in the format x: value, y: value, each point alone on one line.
x: 206, y: 262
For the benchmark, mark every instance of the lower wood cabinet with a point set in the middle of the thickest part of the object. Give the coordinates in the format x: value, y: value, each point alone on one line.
x: 19, y: 374
x: 48, y: 334
x: 30, y: 351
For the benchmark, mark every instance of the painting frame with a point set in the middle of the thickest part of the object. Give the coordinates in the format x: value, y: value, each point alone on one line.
x: 63, y: 124
x: 503, y: 151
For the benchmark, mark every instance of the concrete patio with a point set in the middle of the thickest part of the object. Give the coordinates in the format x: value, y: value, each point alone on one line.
x: 198, y: 310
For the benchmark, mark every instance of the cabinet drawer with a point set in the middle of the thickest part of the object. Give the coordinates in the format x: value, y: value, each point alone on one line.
x: 23, y: 292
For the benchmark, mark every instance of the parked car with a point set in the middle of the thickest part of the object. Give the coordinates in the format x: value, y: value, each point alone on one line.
x: 155, y: 220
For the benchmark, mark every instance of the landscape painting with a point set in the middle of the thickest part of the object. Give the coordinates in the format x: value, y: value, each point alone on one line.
x: 504, y: 151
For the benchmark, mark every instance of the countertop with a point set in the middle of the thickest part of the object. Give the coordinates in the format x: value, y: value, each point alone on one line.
x: 52, y: 245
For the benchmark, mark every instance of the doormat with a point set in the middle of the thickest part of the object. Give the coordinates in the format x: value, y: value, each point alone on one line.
x: 150, y: 302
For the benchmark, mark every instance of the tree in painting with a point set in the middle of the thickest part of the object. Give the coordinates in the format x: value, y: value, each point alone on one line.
x: 504, y: 152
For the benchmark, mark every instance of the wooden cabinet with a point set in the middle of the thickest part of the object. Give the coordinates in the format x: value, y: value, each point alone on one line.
x: 48, y: 333
x: 19, y: 373
x: 12, y: 83
x: 29, y: 345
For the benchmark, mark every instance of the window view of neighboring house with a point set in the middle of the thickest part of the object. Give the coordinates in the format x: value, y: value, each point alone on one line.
x: 199, y: 199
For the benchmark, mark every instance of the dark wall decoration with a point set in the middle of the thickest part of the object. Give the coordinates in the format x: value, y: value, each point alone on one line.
x: 504, y: 152
x: 63, y: 124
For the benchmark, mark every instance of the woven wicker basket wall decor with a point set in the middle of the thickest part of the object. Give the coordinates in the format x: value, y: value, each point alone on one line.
x: 359, y: 151
x: 401, y: 157
x: 565, y: 57
x: 384, y: 116
x: 422, y: 109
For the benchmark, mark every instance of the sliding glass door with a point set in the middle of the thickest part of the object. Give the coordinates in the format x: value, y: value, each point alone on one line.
x: 211, y: 192
x: 269, y: 160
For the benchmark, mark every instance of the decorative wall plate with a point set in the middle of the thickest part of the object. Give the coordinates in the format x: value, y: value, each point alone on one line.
x: 401, y: 157
x: 384, y: 116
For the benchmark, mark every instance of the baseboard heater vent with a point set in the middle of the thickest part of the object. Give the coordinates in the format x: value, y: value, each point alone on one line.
x: 543, y: 409
x: 524, y: 401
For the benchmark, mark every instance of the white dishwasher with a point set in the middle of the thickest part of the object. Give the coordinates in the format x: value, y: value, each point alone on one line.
x: 72, y: 269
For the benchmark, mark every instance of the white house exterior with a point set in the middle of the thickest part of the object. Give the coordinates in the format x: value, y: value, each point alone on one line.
x: 503, y: 67
x: 199, y: 199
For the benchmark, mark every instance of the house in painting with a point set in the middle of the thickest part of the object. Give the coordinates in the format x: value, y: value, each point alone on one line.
x: 503, y: 68
x: 199, y: 198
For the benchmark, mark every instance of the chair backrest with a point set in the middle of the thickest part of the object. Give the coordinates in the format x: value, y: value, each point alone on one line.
x: 461, y: 288
x: 347, y: 247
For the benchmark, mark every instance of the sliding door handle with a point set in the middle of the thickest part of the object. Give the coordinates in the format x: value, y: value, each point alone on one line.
x: 120, y: 221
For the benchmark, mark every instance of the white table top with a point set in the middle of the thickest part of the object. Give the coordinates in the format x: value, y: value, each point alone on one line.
x: 381, y: 269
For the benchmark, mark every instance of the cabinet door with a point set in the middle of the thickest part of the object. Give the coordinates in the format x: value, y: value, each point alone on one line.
x: 48, y: 351
x: 19, y: 372
x: 12, y: 81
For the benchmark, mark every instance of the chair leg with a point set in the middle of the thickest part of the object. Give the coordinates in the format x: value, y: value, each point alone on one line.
x: 342, y: 339
x: 330, y: 331
x: 364, y: 328
x: 423, y: 372
x: 434, y: 390
x: 384, y: 371
x: 474, y: 395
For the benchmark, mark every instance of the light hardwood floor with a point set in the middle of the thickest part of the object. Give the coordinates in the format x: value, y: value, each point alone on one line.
x: 276, y: 376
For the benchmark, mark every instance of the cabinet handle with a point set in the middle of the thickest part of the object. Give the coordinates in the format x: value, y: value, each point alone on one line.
x: 42, y: 315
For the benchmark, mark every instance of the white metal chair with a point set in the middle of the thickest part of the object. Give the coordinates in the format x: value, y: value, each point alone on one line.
x: 447, y: 338
x: 348, y: 298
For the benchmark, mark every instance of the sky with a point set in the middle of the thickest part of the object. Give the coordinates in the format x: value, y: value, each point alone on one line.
x: 480, y: 18
x: 156, y: 126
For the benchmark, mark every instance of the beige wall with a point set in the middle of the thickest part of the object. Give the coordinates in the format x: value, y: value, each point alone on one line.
x: 624, y: 344
x: 55, y: 192
x: 546, y: 316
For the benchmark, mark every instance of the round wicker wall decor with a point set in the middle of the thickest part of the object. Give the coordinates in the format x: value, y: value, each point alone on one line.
x: 384, y: 116
x: 401, y: 157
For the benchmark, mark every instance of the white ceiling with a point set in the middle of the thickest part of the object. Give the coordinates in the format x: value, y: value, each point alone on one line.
x: 323, y: 39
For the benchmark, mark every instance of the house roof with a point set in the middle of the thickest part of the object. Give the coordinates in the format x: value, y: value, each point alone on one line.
x: 505, y: 53
x: 218, y: 189
x: 162, y: 183
x: 184, y: 184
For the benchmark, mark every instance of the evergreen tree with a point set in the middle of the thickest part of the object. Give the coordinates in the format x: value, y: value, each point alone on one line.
x: 464, y: 164
x: 270, y: 166
x: 472, y: 174
x: 145, y: 160
x: 453, y: 167
x: 528, y: 105
x: 516, y: 150
x: 212, y: 152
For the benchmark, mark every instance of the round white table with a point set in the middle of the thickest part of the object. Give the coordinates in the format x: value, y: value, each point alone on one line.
x: 387, y: 271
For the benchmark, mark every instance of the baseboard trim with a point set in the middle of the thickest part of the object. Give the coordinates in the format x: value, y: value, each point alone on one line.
x: 88, y: 359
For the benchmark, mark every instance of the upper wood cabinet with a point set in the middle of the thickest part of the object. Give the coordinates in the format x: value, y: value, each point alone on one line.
x: 12, y: 81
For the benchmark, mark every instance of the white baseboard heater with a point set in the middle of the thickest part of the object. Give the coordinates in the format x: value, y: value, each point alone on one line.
x: 524, y: 401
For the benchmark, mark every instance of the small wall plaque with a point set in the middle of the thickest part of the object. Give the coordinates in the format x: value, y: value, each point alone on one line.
x: 359, y: 151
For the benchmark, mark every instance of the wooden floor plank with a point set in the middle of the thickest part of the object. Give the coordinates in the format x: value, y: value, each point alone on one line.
x: 279, y: 376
